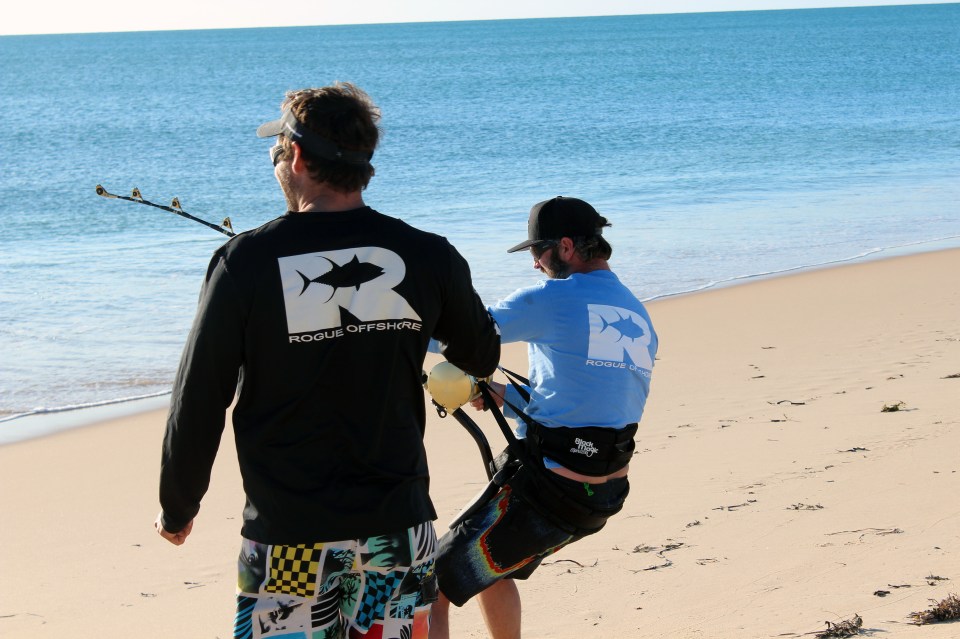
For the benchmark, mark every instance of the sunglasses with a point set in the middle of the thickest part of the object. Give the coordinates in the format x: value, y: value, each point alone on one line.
x: 540, y: 248
x: 275, y: 152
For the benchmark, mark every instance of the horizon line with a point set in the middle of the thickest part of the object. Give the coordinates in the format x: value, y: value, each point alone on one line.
x: 668, y: 12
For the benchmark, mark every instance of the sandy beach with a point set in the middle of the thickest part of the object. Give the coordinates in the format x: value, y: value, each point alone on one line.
x: 771, y: 492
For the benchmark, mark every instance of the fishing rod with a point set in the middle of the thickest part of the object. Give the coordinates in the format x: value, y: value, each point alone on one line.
x: 225, y: 227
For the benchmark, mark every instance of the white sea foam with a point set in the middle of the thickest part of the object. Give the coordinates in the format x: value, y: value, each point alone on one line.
x: 47, y: 421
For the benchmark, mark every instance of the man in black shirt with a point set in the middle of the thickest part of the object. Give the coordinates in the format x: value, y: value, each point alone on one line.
x: 318, y: 322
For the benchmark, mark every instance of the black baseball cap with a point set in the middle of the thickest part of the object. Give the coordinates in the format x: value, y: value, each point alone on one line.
x: 558, y: 218
x: 313, y: 143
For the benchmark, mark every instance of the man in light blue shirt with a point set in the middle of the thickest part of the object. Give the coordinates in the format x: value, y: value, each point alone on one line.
x: 591, y: 348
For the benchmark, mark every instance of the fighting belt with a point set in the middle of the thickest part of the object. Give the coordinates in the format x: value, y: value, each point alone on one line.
x: 588, y: 450
x: 591, y: 451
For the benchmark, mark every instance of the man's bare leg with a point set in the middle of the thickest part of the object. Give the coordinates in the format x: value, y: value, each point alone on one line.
x: 500, y: 607
x: 440, y: 618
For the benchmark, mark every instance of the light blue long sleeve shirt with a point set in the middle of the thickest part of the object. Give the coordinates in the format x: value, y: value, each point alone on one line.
x: 591, y: 347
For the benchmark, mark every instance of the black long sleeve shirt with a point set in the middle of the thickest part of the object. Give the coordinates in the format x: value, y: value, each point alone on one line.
x: 319, y: 323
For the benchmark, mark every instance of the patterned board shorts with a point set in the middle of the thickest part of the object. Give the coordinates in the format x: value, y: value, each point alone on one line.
x: 375, y: 588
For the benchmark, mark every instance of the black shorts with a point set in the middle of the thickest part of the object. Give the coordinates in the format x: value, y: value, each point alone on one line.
x: 506, y: 537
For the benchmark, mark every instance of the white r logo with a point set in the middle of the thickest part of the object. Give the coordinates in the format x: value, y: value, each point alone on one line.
x: 361, y: 280
x: 617, y: 334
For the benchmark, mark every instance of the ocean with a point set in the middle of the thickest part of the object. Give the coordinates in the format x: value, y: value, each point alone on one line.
x: 722, y: 146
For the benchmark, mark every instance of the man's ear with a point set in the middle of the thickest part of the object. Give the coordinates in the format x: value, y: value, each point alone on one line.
x: 565, y: 249
x: 297, y: 163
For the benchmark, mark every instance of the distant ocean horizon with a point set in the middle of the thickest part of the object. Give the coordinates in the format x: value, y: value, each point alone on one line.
x: 722, y: 146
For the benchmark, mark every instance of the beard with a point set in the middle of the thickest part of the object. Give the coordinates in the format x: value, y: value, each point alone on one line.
x: 283, y: 177
x: 557, y: 269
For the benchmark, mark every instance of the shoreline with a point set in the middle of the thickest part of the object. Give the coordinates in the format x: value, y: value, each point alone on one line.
x: 889, y: 252
x: 46, y: 421
x: 770, y: 490
x: 27, y: 426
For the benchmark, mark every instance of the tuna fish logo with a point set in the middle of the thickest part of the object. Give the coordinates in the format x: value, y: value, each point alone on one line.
x: 625, y: 326
x: 353, y: 273
x: 363, y: 283
x: 620, y: 335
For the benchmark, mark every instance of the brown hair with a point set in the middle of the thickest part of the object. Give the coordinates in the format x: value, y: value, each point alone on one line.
x: 345, y: 115
x: 596, y: 246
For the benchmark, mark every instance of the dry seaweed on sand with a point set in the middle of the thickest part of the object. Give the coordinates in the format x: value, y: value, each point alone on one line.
x: 944, y: 610
x: 893, y: 408
x: 849, y: 628
x: 667, y: 562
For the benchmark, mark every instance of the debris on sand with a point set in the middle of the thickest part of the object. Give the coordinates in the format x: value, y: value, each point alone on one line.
x: 893, y: 408
x: 944, y: 610
x: 572, y: 561
x: 848, y: 628
x: 659, y: 551
x: 736, y: 506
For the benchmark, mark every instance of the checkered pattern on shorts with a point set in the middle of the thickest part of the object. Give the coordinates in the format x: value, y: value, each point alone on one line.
x: 377, y: 591
x: 293, y: 570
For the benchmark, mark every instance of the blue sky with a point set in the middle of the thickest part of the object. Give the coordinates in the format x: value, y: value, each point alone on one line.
x: 70, y: 16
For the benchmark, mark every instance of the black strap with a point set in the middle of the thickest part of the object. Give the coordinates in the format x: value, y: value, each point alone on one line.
x: 514, y: 378
x: 315, y: 144
x: 517, y: 449
x: 529, y: 421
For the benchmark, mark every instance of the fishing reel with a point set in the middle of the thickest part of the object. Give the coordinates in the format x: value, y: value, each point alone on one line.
x: 450, y: 387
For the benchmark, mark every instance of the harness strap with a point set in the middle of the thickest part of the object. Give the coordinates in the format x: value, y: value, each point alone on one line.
x: 517, y: 449
x: 514, y: 379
